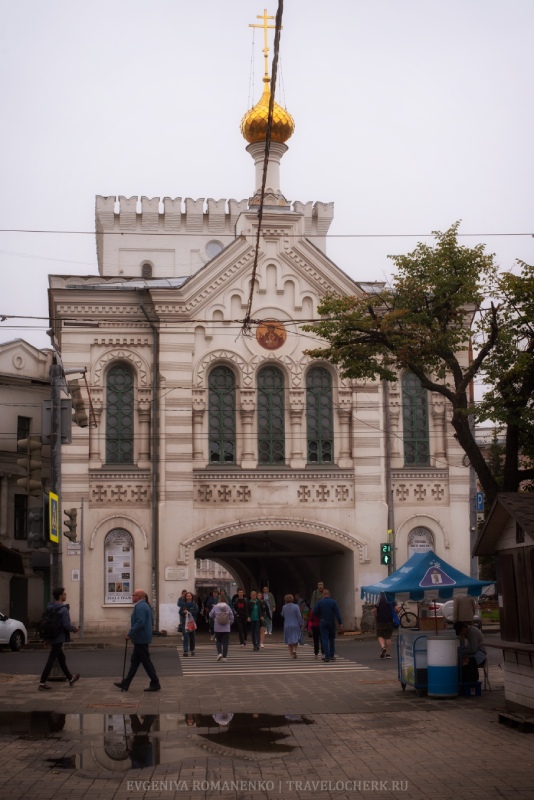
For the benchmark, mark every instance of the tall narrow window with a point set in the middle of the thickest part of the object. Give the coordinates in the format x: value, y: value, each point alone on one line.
x: 23, y: 430
x: 320, y: 428
x: 271, y: 436
x: 20, y: 516
x: 415, y: 422
x: 222, y: 416
x: 119, y: 415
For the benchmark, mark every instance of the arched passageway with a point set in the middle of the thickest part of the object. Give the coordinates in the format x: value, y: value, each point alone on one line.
x: 288, y: 561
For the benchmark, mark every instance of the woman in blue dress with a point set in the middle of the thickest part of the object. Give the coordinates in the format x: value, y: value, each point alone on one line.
x: 292, y: 624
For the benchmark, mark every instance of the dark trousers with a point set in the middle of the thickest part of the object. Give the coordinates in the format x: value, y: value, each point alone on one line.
x: 189, y: 640
x: 328, y: 637
x: 222, y: 640
x: 255, y: 633
x: 56, y: 652
x: 141, y: 655
x: 316, y: 633
x: 241, y: 625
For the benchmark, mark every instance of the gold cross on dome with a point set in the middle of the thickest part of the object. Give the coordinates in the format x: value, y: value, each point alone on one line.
x: 265, y: 27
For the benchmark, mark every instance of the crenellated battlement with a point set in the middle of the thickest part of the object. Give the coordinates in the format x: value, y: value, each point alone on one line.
x: 198, y: 225
x: 186, y: 215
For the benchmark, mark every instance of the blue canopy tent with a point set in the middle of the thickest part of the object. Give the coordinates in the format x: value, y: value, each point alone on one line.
x: 425, y: 576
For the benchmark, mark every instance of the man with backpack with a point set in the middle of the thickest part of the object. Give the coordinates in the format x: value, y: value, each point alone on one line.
x: 55, y: 628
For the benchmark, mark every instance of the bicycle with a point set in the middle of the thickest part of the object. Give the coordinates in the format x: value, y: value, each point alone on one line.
x: 407, y: 618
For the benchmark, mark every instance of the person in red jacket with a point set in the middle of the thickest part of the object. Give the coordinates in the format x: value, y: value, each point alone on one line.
x: 313, y: 626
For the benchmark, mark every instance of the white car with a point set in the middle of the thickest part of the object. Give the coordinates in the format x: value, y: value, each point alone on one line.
x: 12, y: 633
x: 445, y: 610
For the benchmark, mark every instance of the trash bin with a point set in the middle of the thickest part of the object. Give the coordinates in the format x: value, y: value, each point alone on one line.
x: 442, y: 660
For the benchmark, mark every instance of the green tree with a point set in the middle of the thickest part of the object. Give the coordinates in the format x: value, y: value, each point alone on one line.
x: 450, y: 318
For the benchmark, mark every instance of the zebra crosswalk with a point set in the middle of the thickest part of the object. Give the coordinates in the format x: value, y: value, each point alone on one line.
x: 274, y: 658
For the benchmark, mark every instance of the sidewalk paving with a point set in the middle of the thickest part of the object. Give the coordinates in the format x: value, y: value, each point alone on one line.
x: 363, y: 737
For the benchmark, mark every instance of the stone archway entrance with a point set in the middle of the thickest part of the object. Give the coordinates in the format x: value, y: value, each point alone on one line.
x: 289, y: 556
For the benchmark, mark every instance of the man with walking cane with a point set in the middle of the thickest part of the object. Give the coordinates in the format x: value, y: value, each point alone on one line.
x: 141, y: 635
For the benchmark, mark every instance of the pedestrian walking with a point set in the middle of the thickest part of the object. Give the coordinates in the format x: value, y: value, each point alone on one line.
x: 254, y: 619
x: 313, y: 627
x: 383, y: 614
x: 59, y: 631
x: 222, y: 616
x: 180, y: 603
x: 240, y: 609
x: 188, y: 616
x: 271, y: 602
x: 140, y: 634
x: 212, y: 601
x: 265, y: 617
x: 292, y: 624
x: 328, y: 612
x: 317, y: 594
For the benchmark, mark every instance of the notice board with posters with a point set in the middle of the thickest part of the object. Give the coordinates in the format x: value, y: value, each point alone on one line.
x: 118, y: 566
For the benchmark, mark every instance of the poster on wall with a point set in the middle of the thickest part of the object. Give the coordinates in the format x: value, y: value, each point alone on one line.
x: 118, y: 565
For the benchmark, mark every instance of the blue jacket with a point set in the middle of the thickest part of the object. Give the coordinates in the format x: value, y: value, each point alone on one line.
x: 141, y: 623
x: 327, y: 610
x: 67, y: 626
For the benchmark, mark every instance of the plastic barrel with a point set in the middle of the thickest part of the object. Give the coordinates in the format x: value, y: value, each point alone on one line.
x: 442, y: 656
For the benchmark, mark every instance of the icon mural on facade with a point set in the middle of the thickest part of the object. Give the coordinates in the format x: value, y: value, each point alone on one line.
x: 271, y: 334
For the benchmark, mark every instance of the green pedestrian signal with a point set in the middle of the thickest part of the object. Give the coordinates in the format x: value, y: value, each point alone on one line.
x: 385, y: 554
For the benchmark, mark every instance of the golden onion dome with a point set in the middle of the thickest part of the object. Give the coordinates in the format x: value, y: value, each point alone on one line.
x: 254, y: 123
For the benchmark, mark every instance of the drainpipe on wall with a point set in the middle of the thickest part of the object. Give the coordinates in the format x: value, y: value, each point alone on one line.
x: 154, y: 424
x: 389, y: 487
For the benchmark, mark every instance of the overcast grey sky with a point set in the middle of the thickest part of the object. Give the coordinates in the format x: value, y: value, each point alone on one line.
x: 409, y: 115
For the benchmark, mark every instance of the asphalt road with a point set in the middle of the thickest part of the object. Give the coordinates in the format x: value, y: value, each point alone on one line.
x: 108, y: 662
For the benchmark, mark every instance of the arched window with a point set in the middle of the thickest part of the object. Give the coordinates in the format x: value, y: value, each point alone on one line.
x: 118, y: 566
x: 420, y: 540
x: 119, y: 415
x: 222, y: 416
x: 415, y: 422
x: 319, y: 422
x: 271, y: 436
x: 146, y: 271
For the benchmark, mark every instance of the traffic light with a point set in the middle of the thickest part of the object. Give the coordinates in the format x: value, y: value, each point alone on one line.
x: 70, y: 523
x: 31, y: 464
x: 80, y: 416
x: 36, y: 532
x: 385, y: 554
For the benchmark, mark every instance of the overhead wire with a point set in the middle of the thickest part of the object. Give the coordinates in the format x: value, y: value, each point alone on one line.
x: 247, y: 322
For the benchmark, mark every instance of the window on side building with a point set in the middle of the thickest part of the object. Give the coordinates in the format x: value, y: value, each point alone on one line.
x: 20, y: 516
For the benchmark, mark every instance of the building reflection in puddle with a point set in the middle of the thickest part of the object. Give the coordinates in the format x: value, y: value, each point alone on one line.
x: 123, y: 742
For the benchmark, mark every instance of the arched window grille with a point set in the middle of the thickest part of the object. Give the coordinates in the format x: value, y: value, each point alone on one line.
x: 119, y: 415
x: 221, y: 416
x: 415, y: 422
x: 271, y: 404
x: 118, y: 566
x: 319, y: 420
x: 146, y: 271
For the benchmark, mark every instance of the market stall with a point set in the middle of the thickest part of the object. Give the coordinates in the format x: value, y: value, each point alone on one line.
x: 428, y: 660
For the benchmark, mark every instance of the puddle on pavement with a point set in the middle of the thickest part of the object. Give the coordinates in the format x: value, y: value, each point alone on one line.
x: 117, y: 743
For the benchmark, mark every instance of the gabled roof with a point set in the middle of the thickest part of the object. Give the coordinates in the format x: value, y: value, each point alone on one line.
x: 516, y: 505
